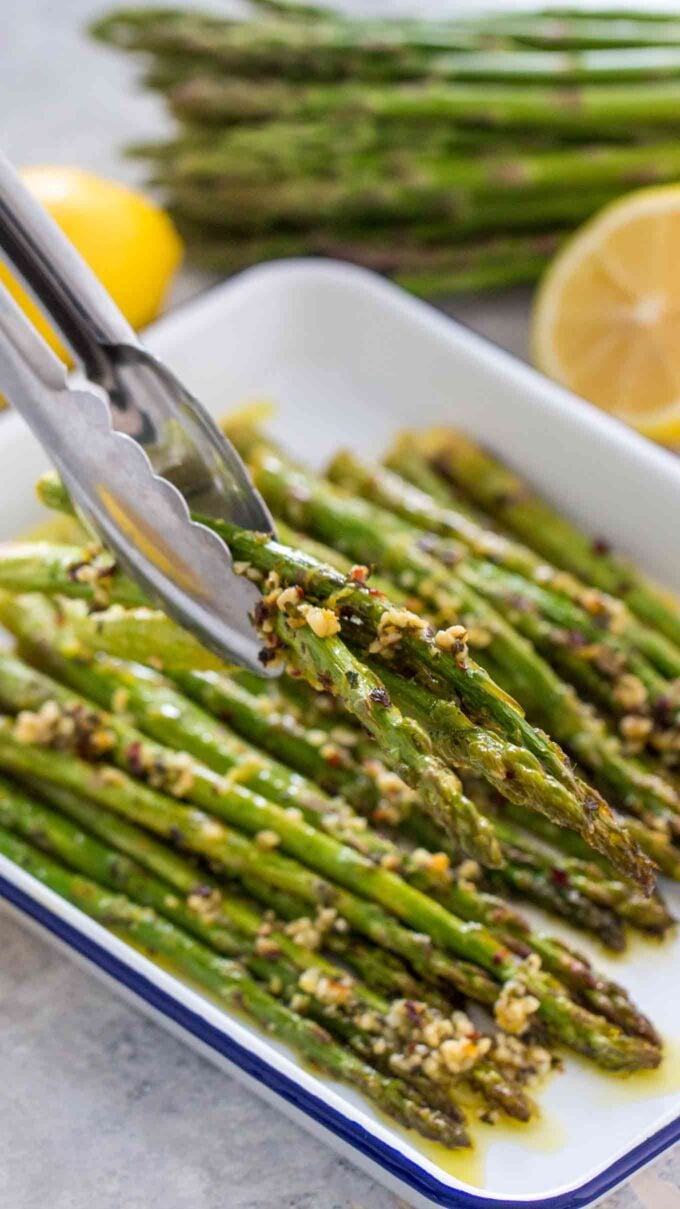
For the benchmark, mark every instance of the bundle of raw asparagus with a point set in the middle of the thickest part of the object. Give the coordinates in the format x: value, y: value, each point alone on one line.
x: 451, y: 154
x: 330, y: 855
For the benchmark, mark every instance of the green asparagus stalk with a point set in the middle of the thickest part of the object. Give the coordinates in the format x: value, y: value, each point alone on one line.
x: 229, y: 983
x: 239, y: 857
x: 334, y: 49
x: 90, y: 573
x: 575, y: 904
x: 387, y: 974
x: 291, y: 152
x: 439, y: 788
x: 375, y: 536
x: 586, y: 635
x: 569, y: 34
x: 614, y: 65
x: 205, y: 835
x: 491, y: 262
x: 478, y: 691
x: 653, y: 842
x: 587, y: 111
x: 324, y: 50
x: 231, y: 926
x: 502, y: 493
x: 164, y: 714
x: 572, y: 968
x: 649, y: 914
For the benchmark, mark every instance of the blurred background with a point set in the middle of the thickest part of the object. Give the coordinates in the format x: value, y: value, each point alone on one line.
x: 454, y: 148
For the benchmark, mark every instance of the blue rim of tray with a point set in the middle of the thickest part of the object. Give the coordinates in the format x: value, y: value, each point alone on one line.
x: 350, y: 1132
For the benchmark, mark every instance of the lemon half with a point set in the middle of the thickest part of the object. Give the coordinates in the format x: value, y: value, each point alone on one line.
x: 606, y: 321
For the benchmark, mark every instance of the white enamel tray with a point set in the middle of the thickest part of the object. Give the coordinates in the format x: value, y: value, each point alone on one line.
x: 349, y: 359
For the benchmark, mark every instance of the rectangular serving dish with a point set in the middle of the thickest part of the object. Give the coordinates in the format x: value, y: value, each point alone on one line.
x: 349, y: 359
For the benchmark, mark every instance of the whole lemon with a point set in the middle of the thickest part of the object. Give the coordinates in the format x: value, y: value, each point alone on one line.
x: 131, y: 244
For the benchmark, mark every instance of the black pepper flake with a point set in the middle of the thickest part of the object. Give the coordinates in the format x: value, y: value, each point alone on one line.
x: 352, y: 679
x: 260, y: 613
x: 266, y: 654
x: 380, y: 696
x: 601, y: 546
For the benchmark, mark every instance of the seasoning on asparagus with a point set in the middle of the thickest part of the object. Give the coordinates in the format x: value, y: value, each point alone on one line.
x: 311, y: 983
x: 525, y: 984
x: 501, y: 492
x: 229, y: 983
x: 415, y: 641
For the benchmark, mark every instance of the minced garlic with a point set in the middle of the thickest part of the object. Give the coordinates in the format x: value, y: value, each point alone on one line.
x: 515, y: 1005
x: 322, y: 622
x: 453, y: 639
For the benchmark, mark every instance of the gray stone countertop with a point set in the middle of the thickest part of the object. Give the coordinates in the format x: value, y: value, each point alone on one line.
x: 99, y: 1108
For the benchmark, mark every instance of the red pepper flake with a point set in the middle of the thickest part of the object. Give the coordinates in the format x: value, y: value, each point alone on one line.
x: 133, y: 755
x: 559, y: 876
x: 359, y: 574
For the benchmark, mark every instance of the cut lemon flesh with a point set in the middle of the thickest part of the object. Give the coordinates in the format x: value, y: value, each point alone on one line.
x: 606, y: 320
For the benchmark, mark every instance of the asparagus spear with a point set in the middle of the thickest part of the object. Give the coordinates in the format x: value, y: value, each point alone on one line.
x: 501, y: 492
x: 227, y: 981
x: 409, y: 748
x: 324, y: 50
x: 587, y: 111
x: 203, y: 834
x: 90, y: 573
x: 374, y: 535
x: 656, y: 844
x: 572, y: 968
x: 491, y: 262
x: 586, y: 628
x: 478, y: 691
x: 153, y: 704
x: 336, y: 49
x: 231, y: 927
x: 294, y: 152
x: 569, y: 34
x: 538, y: 882
x: 647, y: 913
x: 240, y: 857
x: 165, y: 715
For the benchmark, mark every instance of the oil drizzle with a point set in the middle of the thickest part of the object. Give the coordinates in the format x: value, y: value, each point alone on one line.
x: 543, y: 1135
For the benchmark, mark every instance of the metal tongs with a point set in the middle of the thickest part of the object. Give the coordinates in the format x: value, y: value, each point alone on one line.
x: 136, y: 450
